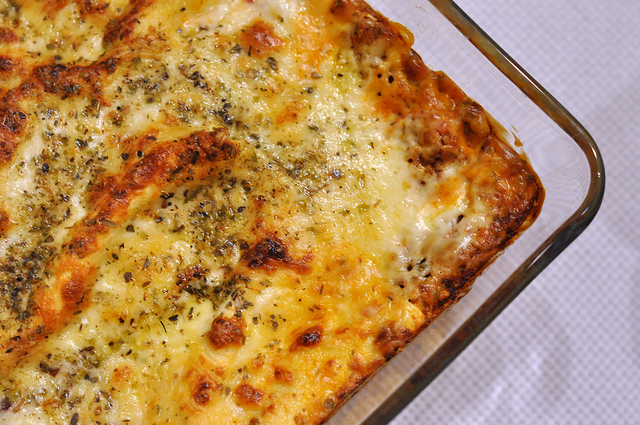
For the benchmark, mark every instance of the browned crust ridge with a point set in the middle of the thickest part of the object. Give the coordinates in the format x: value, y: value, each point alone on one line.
x: 169, y: 164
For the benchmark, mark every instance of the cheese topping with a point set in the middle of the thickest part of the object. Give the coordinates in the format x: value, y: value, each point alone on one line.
x: 235, y: 210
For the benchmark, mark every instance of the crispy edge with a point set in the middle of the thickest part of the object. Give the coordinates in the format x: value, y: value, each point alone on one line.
x: 373, y: 34
x: 516, y: 203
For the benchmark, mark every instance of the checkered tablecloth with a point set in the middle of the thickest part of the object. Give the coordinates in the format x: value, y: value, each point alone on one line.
x: 567, y: 350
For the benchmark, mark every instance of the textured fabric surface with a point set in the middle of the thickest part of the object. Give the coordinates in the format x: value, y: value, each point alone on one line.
x: 567, y: 350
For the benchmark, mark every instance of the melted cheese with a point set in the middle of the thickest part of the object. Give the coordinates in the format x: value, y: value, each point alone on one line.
x: 234, y: 209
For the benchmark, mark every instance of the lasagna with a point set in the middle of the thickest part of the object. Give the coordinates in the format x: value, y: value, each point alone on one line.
x: 230, y: 211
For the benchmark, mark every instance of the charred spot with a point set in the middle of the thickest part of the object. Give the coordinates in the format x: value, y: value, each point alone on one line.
x: 451, y: 284
x: 390, y: 340
x: 266, y: 252
x: 260, y: 39
x: 191, y: 280
x: 109, y: 65
x: 282, y: 375
x: 53, y: 79
x: 190, y: 274
x: 248, y: 396
x: 12, y: 121
x: 12, y: 124
x: 7, y: 64
x: 91, y: 7
x: 213, y: 145
x: 122, y: 27
x: 226, y: 332
x: 8, y: 36
x: 203, y: 389
x: 307, y: 339
x: 66, y: 81
x: 194, y: 157
x: 465, y: 274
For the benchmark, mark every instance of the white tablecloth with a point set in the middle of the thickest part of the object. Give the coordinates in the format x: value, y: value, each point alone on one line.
x: 567, y: 350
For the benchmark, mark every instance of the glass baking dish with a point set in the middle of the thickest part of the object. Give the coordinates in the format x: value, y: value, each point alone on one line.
x: 560, y: 150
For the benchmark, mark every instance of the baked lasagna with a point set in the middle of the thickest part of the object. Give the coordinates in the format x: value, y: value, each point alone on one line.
x: 230, y: 211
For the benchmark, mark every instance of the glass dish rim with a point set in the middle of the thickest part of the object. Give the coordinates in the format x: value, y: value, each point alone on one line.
x: 548, y: 250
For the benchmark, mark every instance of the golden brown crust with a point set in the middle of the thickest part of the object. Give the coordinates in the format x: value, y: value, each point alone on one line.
x: 249, y: 396
x: 460, y: 131
x: 308, y: 338
x: 260, y: 39
x: 271, y: 252
x: 226, y: 332
x: 203, y: 390
x: 168, y: 164
x: 390, y: 340
x: 72, y: 81
x: 123, y: 26
x: 53, y: 6
x: 12, y: 124
x: 369, y: 193
x: 93, y: 7
x: 8, y: 65
x: 5, y: 222
x: 7, y: 35
x: 282, y: 374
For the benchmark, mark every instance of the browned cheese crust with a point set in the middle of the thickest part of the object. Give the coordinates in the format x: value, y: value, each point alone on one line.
x: 230, y: 212
x: 451, y: 128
